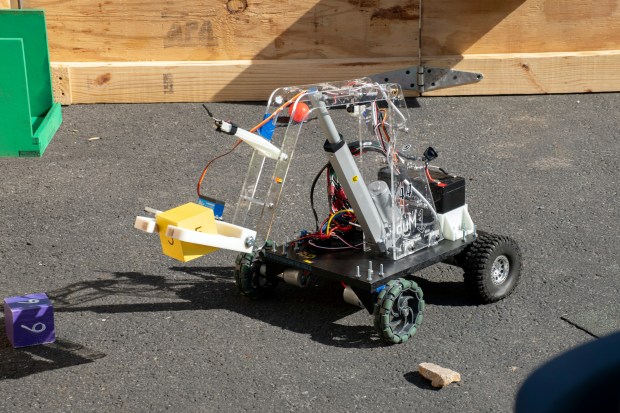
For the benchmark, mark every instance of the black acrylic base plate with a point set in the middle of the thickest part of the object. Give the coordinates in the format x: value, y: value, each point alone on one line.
x: 342, y: 266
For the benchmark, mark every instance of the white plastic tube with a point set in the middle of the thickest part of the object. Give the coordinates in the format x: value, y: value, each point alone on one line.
x: 262, y: 145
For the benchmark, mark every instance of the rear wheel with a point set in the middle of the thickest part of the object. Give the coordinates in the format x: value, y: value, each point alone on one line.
x: 398, y: 311
x: 492, y: 265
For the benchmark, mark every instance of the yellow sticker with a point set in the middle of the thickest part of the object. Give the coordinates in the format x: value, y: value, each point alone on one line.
x: 308, y: 261
x: 355, y: 178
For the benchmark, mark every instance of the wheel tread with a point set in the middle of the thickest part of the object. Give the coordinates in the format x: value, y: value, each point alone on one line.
x: 477, y: 259
x: 245, y: 263
x: 383, y: 307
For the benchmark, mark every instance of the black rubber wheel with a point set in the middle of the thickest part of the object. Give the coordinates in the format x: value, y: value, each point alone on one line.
x: 249, y: 278
x: 398, y: 311
x: 492, y: 265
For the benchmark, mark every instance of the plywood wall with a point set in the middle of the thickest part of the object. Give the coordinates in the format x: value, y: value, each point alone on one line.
x: 189, y: 50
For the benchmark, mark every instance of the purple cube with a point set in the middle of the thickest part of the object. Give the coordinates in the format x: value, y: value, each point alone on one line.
x: 29, y: 320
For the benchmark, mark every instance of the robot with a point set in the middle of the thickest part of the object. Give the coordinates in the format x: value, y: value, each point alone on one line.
x: 390, y: 212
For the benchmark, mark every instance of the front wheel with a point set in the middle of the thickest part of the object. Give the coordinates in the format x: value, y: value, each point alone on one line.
x: 251, y: 278
x: 492, y: 267
x: 398, y: 311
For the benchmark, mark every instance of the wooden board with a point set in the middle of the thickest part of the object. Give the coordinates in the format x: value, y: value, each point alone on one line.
x: 253, y: 80
x: 227, y: 50
x: 61, y: 84
x: 455, y: 27
x: 206, y: 81
x: 209, y: 30
x: 534, y: 73
x: 5, y: 4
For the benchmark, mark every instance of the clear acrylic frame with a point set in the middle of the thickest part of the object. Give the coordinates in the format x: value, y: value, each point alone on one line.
x: 394, y: 174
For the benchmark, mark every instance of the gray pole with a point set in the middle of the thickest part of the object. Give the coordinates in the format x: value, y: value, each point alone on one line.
x: 351, y: 179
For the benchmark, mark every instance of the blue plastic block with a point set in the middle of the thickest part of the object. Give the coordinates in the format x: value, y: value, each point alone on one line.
x: 266, y: 131
x: 29, y: 320
x: 216, y: 205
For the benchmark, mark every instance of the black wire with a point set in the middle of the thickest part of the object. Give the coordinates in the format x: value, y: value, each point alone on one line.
x: 316, y: 179
x: 208, y: 111
x: 367, y: 146
x: 355, y: 147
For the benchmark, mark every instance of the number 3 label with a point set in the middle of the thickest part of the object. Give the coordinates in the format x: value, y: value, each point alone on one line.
x: 36, y: 328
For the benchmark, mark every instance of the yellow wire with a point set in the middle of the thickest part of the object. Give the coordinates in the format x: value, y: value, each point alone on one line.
x: 332, y: 217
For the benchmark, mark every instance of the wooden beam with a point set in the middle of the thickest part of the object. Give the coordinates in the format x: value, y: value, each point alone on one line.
x: 208, y: 81
x: 61, y: 83
x: 534, y: 73
x: 209, y: 30
x: 5, y: 4
x: 531, y: 73
x: 457, y: 27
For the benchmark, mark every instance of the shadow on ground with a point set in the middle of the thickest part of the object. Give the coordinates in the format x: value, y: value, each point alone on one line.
x: 316, y: 311
x: 445, y: 293
x: 414, y: 377
x: 22, y: 362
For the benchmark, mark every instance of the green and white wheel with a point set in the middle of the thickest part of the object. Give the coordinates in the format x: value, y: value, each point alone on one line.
x: 398, y: 311
x: 250, y: 276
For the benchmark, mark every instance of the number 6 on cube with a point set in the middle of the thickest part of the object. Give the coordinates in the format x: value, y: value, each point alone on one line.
x: 29, y: 320
x: 31, y: 301
x: 36, y: 327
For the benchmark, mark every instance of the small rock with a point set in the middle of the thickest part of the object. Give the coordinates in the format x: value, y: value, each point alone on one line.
x: 439, y: 376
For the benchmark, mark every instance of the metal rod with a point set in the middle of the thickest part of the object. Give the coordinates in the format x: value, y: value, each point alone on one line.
x: 350, y: 178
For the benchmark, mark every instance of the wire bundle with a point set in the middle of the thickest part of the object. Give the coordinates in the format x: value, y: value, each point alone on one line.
x: 338, y: 230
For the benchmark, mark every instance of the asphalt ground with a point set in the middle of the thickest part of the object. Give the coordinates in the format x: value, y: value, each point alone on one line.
x: 140, y: 332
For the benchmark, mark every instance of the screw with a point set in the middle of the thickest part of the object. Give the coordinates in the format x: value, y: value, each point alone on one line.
x: 369, y: 270
x: 357, y: 274
x: 381, y: 273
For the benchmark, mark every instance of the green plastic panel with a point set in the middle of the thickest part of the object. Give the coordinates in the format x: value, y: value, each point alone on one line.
x: 29, y: 118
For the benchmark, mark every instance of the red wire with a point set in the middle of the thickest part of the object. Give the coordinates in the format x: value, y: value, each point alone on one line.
x: 430, y: 179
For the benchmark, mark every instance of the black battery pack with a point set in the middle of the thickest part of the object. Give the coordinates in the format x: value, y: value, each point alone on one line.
x: 448, y: 195
x: 448, y: 191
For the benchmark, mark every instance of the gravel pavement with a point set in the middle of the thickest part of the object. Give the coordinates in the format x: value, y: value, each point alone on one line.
x: 139, y: 332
